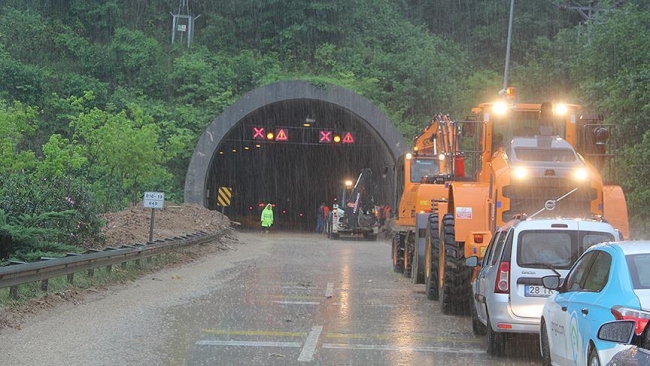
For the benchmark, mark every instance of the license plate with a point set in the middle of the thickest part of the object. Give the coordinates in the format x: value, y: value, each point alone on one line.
x: 537, y: 291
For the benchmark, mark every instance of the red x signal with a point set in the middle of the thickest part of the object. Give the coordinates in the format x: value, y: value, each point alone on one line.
x: 258, y: 133
x: 325, y: 137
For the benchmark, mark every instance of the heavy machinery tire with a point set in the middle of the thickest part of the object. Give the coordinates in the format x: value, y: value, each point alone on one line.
x: 431, y: 283
x: 398, y: 253
x: 408, y: 255
x: 496, y: 341
x: 417, y: 276
x: 456, y: 283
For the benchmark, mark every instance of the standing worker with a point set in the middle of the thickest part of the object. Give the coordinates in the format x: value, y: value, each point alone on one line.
x: 326, y: 213
x: 320, y: 218
x: 267, y: 218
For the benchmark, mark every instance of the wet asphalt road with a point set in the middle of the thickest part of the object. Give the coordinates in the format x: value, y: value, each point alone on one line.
x: 312, y: 300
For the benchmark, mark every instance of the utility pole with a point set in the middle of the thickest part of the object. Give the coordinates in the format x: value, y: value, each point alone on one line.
x: 506, y: 71
x: 183, y: 23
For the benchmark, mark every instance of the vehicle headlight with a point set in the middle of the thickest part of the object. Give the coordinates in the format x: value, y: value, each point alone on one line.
x: 409, y: 156
x: 581, y: 174
x: 441, y: 157
x: 499, y: 108
x: 520, y: 172
x: 560, y: 109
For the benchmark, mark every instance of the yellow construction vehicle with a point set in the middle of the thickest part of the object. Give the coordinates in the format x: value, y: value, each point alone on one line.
x: 423, y: 175
x: 519, y: 157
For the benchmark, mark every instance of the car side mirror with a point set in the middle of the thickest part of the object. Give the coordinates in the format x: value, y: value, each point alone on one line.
x: 619, y: 331
x: 551, y: 282
x: 471, y: 261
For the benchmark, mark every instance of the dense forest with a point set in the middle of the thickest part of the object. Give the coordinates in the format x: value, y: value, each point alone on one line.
x: 97, y: 104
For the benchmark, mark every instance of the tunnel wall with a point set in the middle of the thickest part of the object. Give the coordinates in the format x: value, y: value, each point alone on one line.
x: 198, y: 170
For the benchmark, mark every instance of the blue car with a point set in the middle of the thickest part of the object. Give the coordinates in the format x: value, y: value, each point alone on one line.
x: 609, y: 281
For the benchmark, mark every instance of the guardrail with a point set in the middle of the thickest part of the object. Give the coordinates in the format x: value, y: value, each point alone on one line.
x: 17, y: 274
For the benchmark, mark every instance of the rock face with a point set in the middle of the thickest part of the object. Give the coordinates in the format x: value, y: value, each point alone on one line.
x: 132, y: 225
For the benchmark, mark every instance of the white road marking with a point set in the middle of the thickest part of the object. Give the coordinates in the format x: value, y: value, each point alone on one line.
x: 297, y: 302
x: 307, y: 353
x: 248, y: 344
x: 330, y: 289
x: 381, y: 347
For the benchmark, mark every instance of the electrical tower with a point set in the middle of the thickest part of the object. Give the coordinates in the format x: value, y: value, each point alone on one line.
x: 183, y: 23
x: 590, y: 12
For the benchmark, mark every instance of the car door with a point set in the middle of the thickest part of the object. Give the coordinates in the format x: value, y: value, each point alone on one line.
x: 587, y: 310
x: 480, y: 286
x: 557, y: 314
x: 487, y: 275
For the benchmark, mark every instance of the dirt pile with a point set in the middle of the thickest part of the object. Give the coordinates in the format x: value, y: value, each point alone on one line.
x: 132, y: 225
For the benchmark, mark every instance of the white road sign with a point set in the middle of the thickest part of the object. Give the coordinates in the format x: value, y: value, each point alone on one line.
x: 154, y: 199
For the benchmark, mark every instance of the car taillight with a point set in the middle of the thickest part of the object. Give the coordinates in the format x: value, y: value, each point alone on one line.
x: 502, y: 285
x: 640, y: 317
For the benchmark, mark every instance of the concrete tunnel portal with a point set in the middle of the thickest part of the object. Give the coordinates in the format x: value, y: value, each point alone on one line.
x: 296, y: 170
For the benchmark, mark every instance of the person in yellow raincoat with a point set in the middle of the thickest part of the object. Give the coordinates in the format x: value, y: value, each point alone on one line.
x: 267, y: 218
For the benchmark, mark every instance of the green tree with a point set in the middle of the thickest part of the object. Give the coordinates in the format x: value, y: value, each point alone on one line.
x: 138, y: 61
x: 122, y: 152
x: 17, y: 124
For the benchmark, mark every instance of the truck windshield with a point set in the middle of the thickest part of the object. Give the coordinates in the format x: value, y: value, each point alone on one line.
x: 522, y: 124
x: 424, y: 167
x: 554, y: 155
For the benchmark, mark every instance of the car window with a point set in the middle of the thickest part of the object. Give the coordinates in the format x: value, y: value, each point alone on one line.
x: 549, y: 247
x: 639, y: 265
x: 575, y: 278
x: 558, y: 248
x: 490, y: 249
x: 596, y: 278
x: 592, y: 238
x: 498, y: 247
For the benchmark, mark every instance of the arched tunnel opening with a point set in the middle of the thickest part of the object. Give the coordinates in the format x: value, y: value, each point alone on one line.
x: 302, y: 165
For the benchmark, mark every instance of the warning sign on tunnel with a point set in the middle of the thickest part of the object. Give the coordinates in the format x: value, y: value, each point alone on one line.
x: 282, y: 135
x: 223, y: 197
x: 347, y: 138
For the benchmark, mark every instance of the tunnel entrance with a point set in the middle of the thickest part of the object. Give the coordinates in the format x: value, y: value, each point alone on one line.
x: 300, y: 166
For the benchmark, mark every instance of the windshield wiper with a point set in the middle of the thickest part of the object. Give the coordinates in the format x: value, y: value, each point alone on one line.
x: 546, y: 265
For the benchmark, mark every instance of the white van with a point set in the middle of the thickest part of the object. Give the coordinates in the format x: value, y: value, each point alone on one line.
x: 508, y: 295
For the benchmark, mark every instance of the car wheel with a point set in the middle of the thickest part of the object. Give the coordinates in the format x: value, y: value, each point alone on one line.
x: 544, y: 345
x: 593, y: 357
x: 477, y: 327
x: 496, y: 341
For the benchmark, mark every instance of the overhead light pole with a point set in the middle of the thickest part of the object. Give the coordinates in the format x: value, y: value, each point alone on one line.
x: 509, y: 41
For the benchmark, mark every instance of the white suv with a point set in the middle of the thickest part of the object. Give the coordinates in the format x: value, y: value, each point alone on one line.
x: 508, y: 295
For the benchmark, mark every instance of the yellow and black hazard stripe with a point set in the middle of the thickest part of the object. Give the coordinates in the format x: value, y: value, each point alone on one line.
x: 224, y: 197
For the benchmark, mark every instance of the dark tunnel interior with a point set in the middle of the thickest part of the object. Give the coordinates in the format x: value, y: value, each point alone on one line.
x: 295, y: 174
